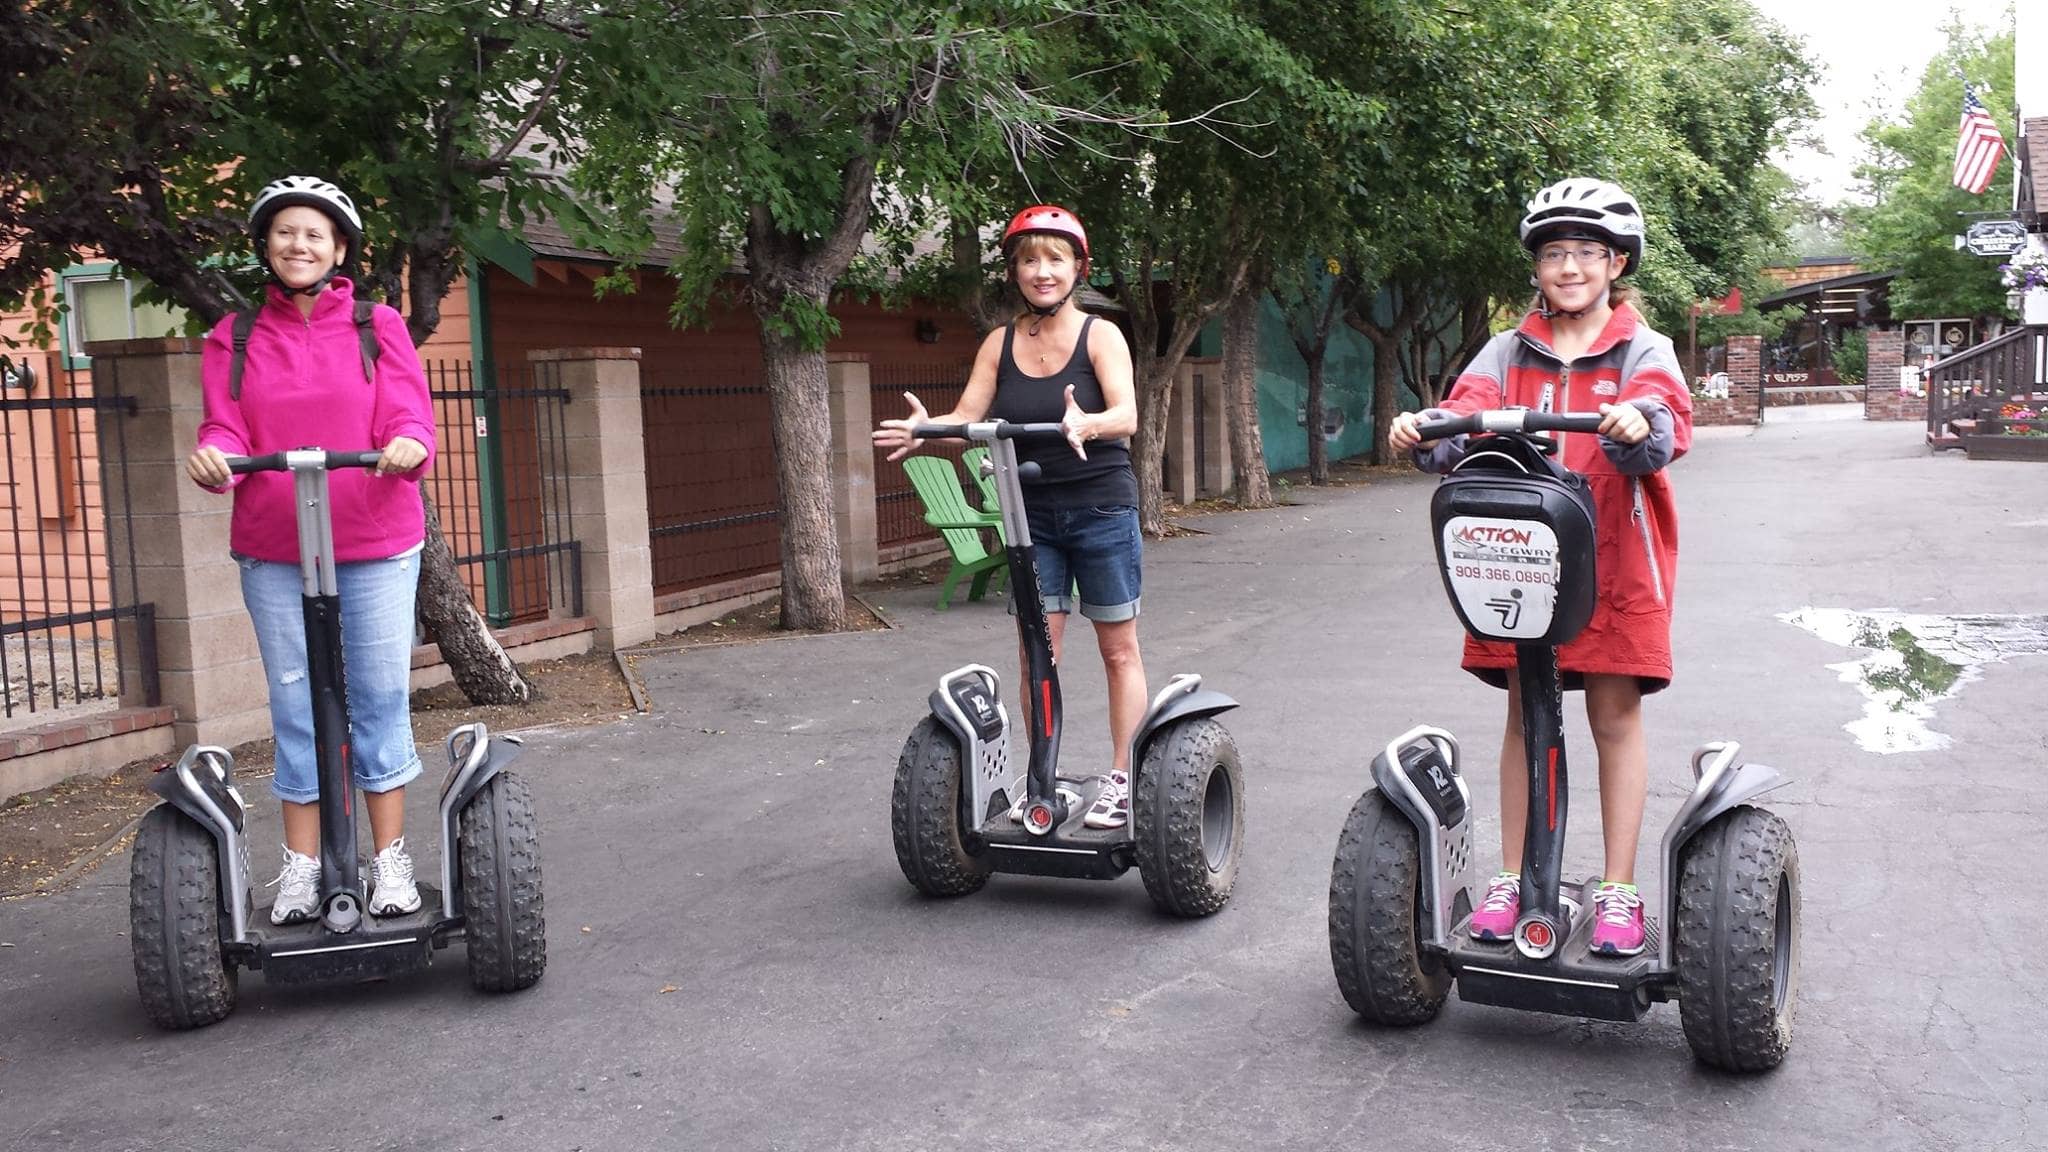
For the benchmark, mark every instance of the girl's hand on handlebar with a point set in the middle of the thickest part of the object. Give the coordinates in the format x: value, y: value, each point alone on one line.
x: 1402, y: 434
x: 1075, y: 424
x: 895, y: 436
x: 403, y: 454
x: 208, y: 467
x: 1624, y: 423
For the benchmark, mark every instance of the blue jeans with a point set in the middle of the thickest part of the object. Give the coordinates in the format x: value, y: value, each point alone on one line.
x: 1099, y: 549
x: 376, y: 644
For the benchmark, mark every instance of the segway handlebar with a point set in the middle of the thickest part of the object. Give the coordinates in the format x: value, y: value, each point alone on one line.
x: 282, y: 461
x: 1499, y: 420
x: 987, y: 430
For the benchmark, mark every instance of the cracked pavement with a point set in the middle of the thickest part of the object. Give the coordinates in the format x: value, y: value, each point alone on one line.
x: 734, y: 845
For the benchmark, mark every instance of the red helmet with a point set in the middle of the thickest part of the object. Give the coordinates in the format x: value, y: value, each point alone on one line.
x: 1046, y: 220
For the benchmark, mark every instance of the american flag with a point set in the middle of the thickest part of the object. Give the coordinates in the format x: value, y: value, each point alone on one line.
x: 1977, y: 148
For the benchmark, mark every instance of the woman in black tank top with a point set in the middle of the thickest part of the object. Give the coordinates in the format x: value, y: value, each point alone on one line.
x: 1054, y: 363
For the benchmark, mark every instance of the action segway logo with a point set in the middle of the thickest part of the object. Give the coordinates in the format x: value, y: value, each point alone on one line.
x: 1508, y: 608
x: 1486, y: 536
x: 1437, y: 777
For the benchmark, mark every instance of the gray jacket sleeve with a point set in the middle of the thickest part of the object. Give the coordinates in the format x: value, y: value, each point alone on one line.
x: 1656, y: 449
x: 1491, y: 364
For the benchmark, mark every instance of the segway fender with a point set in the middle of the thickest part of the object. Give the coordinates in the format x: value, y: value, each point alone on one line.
x: 201, y: 785
x: 1183, y: 698
x: 1418, y: 773
x: 969, y: 704
x: 1720, y: 785
x: 475, y: 758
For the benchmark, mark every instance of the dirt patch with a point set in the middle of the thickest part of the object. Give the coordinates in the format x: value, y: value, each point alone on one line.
x: 43, y: 834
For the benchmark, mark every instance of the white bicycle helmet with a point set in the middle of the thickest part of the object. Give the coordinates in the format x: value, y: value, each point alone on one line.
x: 312, y: 192
x: 1585, y: 209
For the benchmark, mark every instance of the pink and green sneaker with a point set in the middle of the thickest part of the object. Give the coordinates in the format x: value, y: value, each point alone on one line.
x: 1494, y: 919
x: 1617, y: 920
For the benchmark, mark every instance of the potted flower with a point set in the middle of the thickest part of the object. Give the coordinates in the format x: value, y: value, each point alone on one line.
x: 2027, y: 277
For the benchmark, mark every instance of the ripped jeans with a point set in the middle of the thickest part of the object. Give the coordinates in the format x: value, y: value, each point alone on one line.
x: 376, y: 641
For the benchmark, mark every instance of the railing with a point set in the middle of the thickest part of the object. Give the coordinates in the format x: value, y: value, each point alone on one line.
x: 1973, y: 385
x: 62, y: 596
x: 712, y: 508
x: 899, y: 517
x: 500, y: 483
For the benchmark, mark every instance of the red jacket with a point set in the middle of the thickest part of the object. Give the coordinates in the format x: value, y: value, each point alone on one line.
x: 1636, y: 520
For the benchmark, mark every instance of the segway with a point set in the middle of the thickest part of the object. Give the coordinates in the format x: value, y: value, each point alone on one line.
x: 1515, y: 541
x: 955, y: 786
x: 192, y: 920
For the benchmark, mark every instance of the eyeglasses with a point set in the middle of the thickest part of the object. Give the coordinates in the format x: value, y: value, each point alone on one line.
x: 1584, y: 254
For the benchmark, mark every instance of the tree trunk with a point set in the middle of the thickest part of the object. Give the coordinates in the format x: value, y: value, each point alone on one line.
x: 481, y: 667
x: 812, y: 596
x: 1318, y: 439
x: 1254, y: 487
x: 1148, y: 447
x: 1386, y: 393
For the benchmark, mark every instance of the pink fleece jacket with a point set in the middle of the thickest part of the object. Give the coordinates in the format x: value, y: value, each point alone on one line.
x: 303, y: 387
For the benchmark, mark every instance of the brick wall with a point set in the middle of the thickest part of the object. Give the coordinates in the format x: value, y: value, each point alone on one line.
x: 1745, y: 371
x: 1882, y: 399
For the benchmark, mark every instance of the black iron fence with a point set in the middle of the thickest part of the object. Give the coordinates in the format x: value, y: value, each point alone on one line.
x: 500, y: 484
x: 63, y: 597
x: 712, y: 508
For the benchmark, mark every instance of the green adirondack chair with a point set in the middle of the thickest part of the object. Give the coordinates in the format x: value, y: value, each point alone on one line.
x: 971, y: 460
x: 960, y: 525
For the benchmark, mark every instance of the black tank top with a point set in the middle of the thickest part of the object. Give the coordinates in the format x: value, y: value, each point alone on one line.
x: 1105, y: 478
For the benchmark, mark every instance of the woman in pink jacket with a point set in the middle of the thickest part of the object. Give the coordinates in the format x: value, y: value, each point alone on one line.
x: 307, y: 381
x: 1585, y: 348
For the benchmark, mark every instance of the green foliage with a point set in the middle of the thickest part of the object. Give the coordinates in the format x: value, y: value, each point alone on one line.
x: 439, y: 118
x: 1916, y: 210
x: 1851, y: 356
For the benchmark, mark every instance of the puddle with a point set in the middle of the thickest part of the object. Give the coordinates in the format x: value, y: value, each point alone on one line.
x: 1913, y: 661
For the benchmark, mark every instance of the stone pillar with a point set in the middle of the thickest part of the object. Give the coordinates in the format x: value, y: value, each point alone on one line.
x: 853, y: 465
x: 1890, y: 390
x: 209, y: 670
x: 1746, y: 375
x: 1179, y: 472
x: 606, y: 462
x: 1212, y: 429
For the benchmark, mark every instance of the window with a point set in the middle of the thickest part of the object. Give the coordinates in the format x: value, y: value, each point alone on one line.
x: 102, y: 305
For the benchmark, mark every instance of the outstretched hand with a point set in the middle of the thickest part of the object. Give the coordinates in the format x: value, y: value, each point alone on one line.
x: 895, y: 435
x: 1076, y: 425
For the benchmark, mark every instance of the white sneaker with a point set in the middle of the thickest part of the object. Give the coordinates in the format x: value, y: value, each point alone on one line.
x: 392, y: 892
x: 298, y: 889
x: 1112, y: 809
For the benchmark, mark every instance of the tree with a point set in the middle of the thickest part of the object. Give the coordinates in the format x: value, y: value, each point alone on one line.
x: 1915, y: 210
x: 1203, y: 214
x: 185, y: 108
x: 1254, y: 484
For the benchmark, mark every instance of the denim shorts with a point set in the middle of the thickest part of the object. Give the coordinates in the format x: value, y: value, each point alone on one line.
x: 1099, y: 549
x: 376, y: 644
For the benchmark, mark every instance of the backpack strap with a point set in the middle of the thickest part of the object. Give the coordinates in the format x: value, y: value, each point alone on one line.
x: 366, y: 310
x: 245, y: 323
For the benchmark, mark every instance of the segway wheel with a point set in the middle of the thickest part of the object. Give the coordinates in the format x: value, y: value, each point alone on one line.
x: 504, y: 925
x: 924, y: 815
x: 1187, y: 809
x: 1738, y: 940
x: 174, y: 907
x: 1376, y: 929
